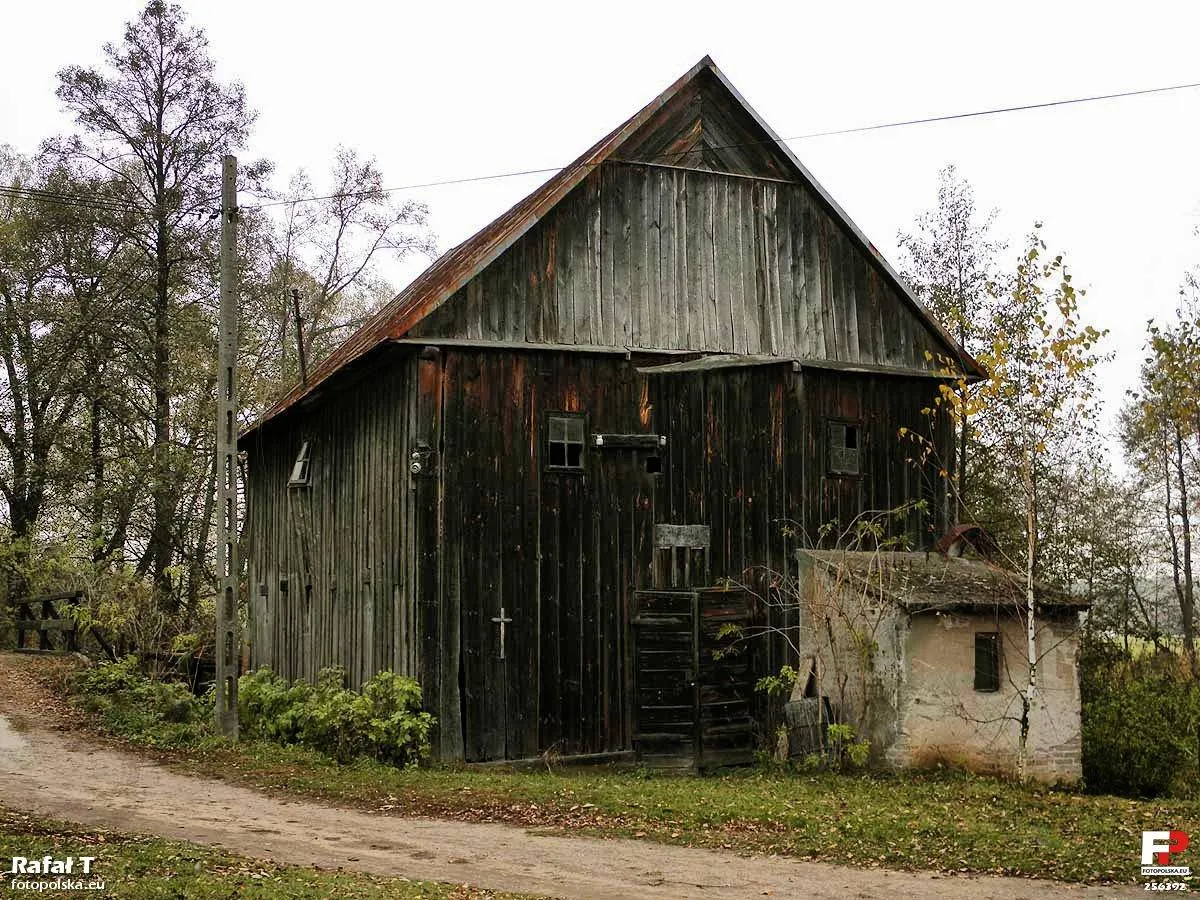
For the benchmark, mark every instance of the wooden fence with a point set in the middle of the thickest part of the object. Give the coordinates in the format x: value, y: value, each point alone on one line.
x: 51, y: 617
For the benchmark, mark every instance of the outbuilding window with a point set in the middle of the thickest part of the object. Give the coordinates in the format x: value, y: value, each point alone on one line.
x: 844, y: 444
x: 987, y: 661
x: 564, y: 441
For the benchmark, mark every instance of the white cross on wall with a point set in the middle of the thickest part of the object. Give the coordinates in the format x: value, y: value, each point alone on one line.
x: 501, y: 620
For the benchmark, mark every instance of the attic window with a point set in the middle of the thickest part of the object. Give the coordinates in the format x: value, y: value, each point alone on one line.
x: 844, y: 444
x: 987, y: 661
x: 564, y: 441
x: 300, y: 472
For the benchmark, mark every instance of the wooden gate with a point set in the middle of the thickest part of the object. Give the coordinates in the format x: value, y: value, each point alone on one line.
x: 694, y: 691
x: 42, y: 616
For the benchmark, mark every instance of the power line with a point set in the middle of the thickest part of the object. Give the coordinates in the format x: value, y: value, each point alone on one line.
x: 800, y: 137
x: 47, y: 196
x: 989, y: 112
x: 100, y: 203
x: 411, y: 187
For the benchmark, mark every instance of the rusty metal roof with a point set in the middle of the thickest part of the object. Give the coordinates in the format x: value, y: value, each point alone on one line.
x: 456, y: 267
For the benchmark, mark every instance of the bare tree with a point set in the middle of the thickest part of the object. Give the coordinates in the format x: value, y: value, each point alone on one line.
x: 950, y: 263
x: 326, y: 253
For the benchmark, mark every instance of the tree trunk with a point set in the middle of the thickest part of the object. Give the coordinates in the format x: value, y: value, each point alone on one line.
x: 163, y: 500
x: 1029, y: 696
x: 1187, y: 597
x: 96, y: 435
x: 962, y: 459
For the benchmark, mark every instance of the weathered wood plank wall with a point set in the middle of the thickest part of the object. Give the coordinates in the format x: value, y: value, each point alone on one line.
x: 332, y: 566
x: 561, y: 552
x: 653, y: 257
x: 890, y: 471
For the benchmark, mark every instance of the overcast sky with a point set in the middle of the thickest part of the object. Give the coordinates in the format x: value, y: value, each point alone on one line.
x: 444, y: 90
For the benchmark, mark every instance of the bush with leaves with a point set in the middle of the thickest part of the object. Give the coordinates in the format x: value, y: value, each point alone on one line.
x: 384, y: 721
x: 843, y: 751
x: 132, y: 705
x: 272, y: 708
x: 1141, y: 723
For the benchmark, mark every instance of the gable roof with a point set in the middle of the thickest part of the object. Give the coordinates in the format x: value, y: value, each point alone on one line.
x: 459, y: 265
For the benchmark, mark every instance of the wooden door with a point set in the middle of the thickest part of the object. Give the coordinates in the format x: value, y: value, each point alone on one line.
x: 694, y: 699
x: 666, y: 667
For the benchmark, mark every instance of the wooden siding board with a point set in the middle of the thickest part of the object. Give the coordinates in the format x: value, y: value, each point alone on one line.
x: 789, y: 308
x: 743, y: 308
x: 724, y: 244
x: 687, y: 209
x: 641, y: 329
x: 541, y: 278
x: 716, y: 328
x: 652, y: 276
x: 665, y: 205
x: 493, y: 554
x: 594, y: 332
x: 849, y: 301
x: 757, y: 262
x: 621, y: 230
x: 550, y: 674
x: 569, y: 258
x: 780, y: 311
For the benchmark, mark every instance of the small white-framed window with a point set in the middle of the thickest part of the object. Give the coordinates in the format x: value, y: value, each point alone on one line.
x: 564, y: 441
x: 300, y: 469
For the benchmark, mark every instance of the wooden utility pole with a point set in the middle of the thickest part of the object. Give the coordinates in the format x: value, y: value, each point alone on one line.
x: 300, y: 337
x: 228, y: 633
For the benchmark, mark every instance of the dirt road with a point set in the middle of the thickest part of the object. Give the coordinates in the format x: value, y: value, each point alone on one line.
x: 53, y: 773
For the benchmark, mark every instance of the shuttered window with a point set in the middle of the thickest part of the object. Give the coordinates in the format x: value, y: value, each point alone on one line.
x: 844, y: 443
x: 987, y: 661
x: 564, y: 441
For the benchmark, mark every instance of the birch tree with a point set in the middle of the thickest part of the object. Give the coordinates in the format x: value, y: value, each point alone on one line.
x: 1041, y: 394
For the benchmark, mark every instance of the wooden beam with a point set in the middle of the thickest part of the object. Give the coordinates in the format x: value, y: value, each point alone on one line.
x: 478, y: 344
x: 46, y: 625
x: 715, y: 361
x: 629, y: 441
x: 872, y: 369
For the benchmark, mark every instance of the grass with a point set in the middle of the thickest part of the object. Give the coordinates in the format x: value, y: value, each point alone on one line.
x: 144, y: 868
x: 939, y: 821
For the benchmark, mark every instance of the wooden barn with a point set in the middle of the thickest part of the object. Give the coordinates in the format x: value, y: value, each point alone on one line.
x: 526, y: 479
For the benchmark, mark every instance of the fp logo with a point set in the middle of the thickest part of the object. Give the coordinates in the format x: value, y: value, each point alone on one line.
x: 1157, y: 849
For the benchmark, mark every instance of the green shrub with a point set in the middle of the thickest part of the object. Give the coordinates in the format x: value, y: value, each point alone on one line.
x: 271, y: 708
x: 129, y: 704
x: 383, y: 722
x: 844, y: 752
x: 1141, y: 725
